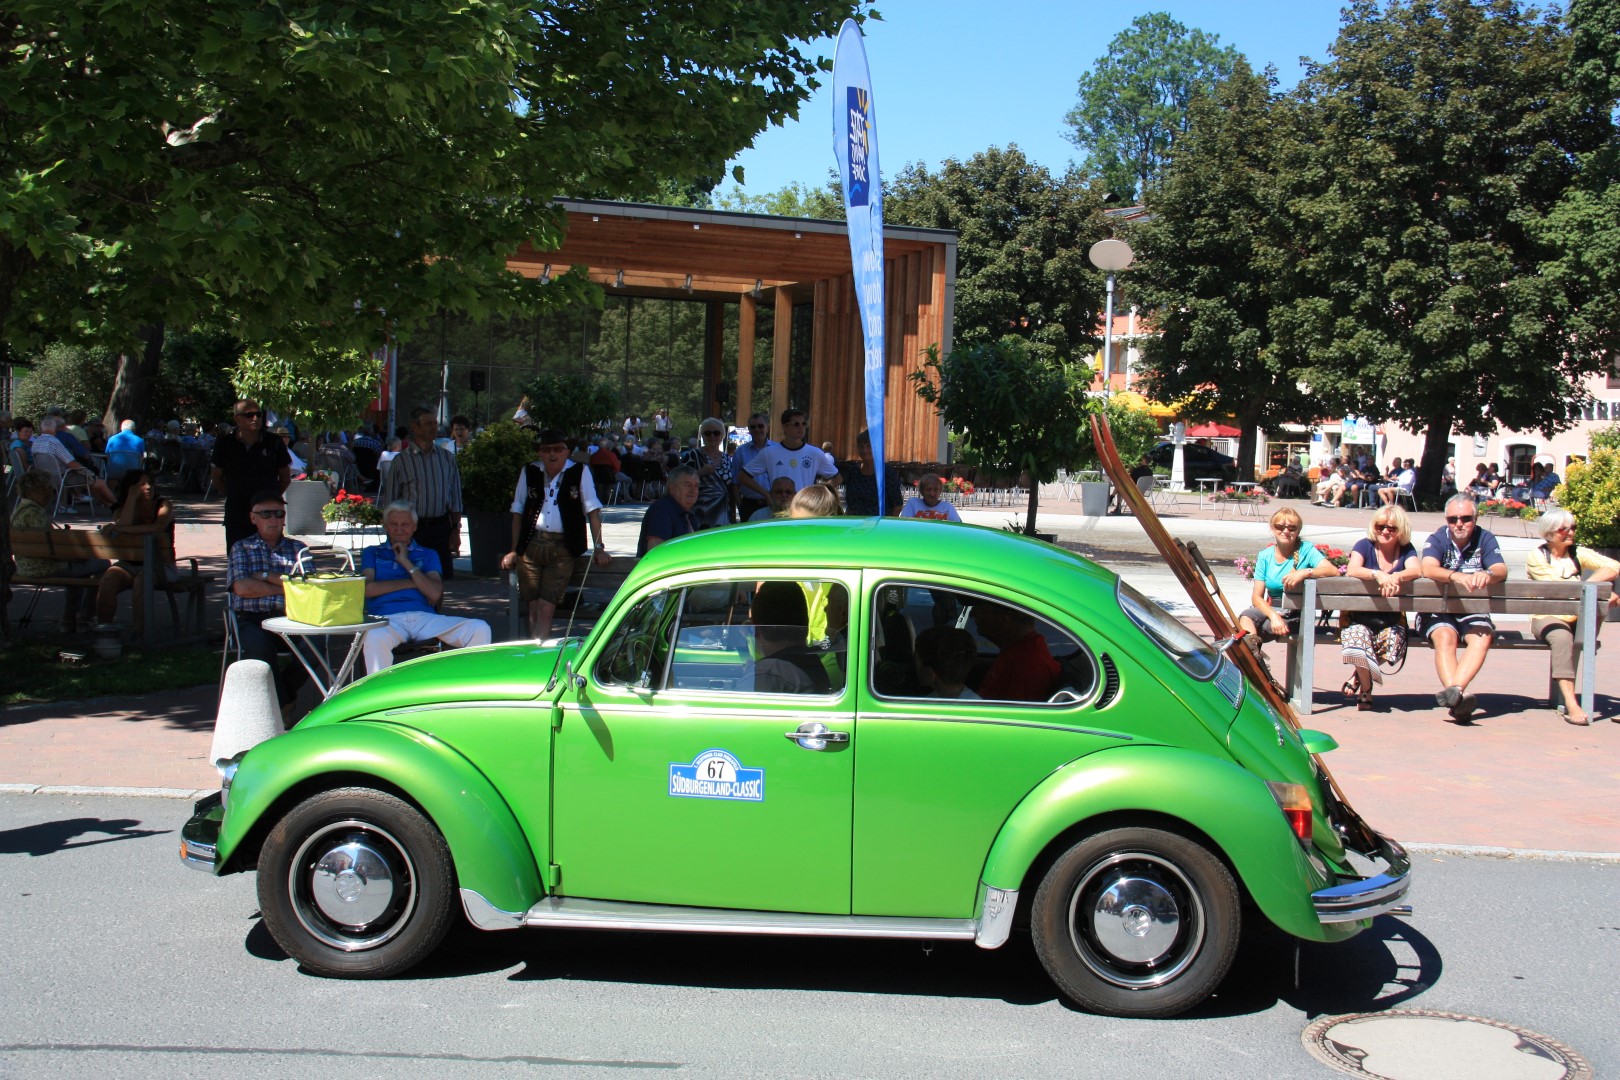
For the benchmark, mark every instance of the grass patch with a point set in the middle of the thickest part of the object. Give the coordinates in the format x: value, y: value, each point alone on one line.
x: 31, y: 673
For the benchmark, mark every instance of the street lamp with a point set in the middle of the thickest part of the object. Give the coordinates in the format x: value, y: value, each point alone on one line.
x: 1112, y: 256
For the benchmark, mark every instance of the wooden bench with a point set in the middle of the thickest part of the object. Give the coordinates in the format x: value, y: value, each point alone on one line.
x: 68, y: 545
x: 603, y: 582
x: 1579, y: 599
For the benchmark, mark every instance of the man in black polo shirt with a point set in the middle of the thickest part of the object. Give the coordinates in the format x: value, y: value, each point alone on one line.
x: 246, y: 461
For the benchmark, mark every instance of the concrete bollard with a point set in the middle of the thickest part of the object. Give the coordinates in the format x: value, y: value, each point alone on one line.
x: 248, y: 711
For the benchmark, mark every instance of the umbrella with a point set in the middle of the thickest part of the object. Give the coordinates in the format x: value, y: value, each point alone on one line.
x: 1213, y: 431
x: 1132, y: 400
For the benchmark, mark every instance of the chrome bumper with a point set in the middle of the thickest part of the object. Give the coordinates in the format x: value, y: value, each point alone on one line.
x: 1364, y: 898
x: 199, y: 837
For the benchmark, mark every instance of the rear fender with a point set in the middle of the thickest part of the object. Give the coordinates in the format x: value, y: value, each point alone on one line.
x: 491, y: 854
x: 1218, y: 798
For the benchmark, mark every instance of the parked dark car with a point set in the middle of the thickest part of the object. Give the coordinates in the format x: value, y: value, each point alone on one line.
x: 1199, y: 461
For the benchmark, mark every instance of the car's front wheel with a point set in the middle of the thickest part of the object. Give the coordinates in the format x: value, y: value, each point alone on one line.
x: 1137, y: 922
x: 356, y: 883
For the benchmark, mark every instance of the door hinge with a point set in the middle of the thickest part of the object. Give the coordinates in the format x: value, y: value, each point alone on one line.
x: 552, y: 876
x: 556, y: 718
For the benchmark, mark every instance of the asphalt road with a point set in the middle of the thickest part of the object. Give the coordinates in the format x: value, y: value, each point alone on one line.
x: 118, y: 961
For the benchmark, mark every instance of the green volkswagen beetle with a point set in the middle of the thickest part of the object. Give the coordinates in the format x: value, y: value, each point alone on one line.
x: 849, y: 727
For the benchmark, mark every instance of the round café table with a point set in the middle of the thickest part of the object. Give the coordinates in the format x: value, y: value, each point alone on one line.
x: 320, y: 669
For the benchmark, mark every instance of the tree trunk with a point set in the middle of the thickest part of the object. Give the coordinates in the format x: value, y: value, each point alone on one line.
x: 132, y: 389
x: 1436, y: 448
x: 1034, y: 501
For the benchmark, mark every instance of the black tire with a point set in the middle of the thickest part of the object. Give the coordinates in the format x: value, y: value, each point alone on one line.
x: 356, y: 884
x: 1137, y: 922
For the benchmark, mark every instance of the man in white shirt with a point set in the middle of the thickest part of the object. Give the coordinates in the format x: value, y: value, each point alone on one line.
x: 47, y: 447
x: 793, y: 457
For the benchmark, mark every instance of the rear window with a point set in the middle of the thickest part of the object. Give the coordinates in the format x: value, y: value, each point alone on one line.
x: 1191, y: 652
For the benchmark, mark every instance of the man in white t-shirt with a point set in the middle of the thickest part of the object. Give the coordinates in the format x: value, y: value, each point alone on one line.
x: 928, y: 504
x: 793, y: 457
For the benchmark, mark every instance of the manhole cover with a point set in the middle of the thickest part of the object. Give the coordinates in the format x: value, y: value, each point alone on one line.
x: 1415, y: 1044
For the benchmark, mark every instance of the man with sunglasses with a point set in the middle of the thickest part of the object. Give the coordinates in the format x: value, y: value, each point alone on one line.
x: 553, y: 505
x: 1468, y: 559
x: 244, y: 462
x: 759, y: 437
x: 258, y: 565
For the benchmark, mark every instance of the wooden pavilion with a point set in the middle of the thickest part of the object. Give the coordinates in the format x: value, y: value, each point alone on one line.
x: 752, y: 260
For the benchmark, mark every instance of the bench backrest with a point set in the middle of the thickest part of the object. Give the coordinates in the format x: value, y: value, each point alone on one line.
x: 1506, y: 598
x: 69, y: 544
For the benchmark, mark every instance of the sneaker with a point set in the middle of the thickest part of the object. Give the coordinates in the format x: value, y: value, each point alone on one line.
x: 1448, y: 697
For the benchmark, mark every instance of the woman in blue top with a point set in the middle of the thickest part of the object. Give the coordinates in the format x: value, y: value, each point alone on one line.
x: 1281, y: 566
x: 1386, y: 557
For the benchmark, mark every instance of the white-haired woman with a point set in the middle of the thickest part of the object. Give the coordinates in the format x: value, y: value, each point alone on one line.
x: 1559, y: 559
x: 1373, y: 638
x: 713, y: 468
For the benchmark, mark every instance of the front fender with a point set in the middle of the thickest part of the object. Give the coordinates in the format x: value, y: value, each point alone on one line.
x: 491, y: 854
x: 1221, y: 799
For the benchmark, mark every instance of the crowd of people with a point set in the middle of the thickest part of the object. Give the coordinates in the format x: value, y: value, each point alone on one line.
x: 1460, y: 554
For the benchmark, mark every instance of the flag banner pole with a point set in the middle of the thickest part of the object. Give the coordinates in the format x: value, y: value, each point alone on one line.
x: 856, y: 147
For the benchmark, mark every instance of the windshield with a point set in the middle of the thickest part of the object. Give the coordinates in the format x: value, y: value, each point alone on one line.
x: 1186, y: 648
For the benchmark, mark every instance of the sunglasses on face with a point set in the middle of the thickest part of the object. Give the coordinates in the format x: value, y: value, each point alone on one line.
x: 270, y: 513
x: 1565, y: 529
x: 1381, y: 527
x: 1285, y: 528
x: 756, y: 427
x: 1459, y: 519
x: 711, y: 434
x: 250, y: 415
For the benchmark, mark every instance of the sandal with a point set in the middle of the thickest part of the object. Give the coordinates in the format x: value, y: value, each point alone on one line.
x: 1349, y: 689
x: 1364, y: 700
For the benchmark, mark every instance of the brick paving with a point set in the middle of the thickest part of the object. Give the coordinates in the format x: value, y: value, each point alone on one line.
x: 1517, y: 778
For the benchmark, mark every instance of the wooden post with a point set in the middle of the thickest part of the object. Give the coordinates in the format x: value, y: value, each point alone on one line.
x: 782, y: 354
x: 746, y: 311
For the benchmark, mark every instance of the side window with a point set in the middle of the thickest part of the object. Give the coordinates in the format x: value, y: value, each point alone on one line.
x: 636, y: 654
x: 766, y: 637
x: 943, y: 643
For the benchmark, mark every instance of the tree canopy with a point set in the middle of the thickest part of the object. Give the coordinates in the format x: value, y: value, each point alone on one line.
x: 318, y: 173
x: 1133, y: 104
x: 1441, y: 135
x: 1021, y: 266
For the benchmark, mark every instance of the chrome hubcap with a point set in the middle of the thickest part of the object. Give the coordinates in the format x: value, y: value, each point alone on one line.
x: 1135, y: 920
x: 352, y: 885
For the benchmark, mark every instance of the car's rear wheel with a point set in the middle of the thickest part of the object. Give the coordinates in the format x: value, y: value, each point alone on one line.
x: 1137, y: 922
x: 356, y: 883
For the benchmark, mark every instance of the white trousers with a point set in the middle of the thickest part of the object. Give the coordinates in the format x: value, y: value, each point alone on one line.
x: 421, y: 626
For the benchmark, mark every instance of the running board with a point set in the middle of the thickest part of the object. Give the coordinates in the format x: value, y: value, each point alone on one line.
x: 618, y: 915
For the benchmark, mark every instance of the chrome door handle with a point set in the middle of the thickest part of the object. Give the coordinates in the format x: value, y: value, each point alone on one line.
x: 815, y: 736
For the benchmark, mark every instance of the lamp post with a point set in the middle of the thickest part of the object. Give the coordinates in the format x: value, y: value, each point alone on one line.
x: 1112, y: 256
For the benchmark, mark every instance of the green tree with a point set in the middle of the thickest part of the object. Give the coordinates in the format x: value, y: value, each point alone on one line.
x: 572, y: 403
x: 1133, y: 105
x: 794, y: 200
x: 1443, y: 133
x: 1012, y: 406
x: 312, y: 174
x: 327, y: 390
x: 1217, y: 257
x: 1021, y: 266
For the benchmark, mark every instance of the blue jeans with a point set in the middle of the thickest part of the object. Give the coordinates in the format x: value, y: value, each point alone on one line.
x: 260, y: 644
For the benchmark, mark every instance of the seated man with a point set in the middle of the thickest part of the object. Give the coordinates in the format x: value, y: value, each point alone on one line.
x: 786, y: 665
x: 1467, y: 558
x: 782, y: 492
x: 670, y: 515
x: 258, y: 565
x: 402, y: 586
x: 929, y: 504
x: 1025, y: 669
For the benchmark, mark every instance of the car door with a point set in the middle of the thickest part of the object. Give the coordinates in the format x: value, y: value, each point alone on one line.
x: 679, y: 775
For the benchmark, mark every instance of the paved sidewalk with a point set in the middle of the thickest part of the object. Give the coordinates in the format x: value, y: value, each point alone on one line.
x: 1518, y: 778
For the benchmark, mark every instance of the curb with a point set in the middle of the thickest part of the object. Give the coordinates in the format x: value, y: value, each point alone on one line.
x: 1421, y: 848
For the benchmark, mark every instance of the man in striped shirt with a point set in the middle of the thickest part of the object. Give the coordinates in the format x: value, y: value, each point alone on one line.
x: 426, y: 476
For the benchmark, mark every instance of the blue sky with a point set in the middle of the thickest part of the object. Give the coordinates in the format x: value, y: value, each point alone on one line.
x: 951, y: 78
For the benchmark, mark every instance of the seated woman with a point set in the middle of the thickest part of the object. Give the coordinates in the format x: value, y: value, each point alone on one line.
x: 139, y: 511
x: 1385, y: 556
x: 1480, y: 485
x: 1558, y: 559
x: 38, y: 491
x: 1281, y: 566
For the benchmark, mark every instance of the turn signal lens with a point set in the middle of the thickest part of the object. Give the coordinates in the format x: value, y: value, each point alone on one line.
x: 1295, y: 802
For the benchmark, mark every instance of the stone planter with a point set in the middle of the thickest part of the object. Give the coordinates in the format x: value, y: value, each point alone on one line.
x: 304, y: 501
x: 1093, y: 499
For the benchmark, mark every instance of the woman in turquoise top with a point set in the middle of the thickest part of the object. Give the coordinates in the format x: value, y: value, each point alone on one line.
x: 1283, y: 565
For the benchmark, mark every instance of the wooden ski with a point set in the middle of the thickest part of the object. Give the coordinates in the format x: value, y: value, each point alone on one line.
x: 1205, y: 592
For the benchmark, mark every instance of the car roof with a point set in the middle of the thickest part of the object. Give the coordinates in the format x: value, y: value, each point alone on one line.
x: 903, y: 545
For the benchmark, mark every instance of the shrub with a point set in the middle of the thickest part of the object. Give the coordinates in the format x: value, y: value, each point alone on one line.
x: 490, y: 464
x: 1591, y: 491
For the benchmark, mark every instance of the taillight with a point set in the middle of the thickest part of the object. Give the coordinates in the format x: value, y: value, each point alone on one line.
x: 1295, y: 802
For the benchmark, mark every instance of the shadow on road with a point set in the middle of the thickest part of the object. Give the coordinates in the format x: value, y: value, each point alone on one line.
x: 50, y: 837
